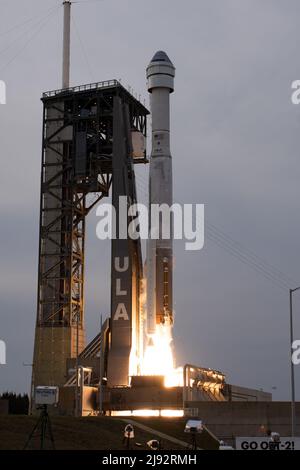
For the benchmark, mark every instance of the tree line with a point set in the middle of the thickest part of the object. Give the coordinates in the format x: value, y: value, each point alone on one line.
x: 17, y: 404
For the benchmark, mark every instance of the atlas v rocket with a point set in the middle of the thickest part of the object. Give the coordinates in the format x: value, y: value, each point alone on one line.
x: 160, y: 76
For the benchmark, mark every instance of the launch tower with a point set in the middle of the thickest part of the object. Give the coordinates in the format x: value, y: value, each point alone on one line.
x: 86, y: 151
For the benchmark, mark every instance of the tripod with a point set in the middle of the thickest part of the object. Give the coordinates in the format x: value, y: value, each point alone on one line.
x: 43, y: 426
x: 193, y: 444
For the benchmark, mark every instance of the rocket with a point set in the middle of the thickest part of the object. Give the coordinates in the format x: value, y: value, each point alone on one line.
x: 160, y: 83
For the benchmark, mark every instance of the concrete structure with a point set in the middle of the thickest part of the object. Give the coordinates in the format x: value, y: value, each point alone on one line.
x: 200, y: 385
x: 160, y: 75
x: 238, y: 393
x: 150, y: 392
x: 238, y: 418
x: 87, y: 402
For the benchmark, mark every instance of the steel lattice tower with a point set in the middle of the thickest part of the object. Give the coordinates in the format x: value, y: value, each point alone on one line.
x: 86, y: 150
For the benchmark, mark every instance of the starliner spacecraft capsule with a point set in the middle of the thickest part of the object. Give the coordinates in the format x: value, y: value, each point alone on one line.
x: 160, y: 77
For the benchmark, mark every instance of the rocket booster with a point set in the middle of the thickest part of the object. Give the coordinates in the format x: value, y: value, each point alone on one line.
x: 160, y: 77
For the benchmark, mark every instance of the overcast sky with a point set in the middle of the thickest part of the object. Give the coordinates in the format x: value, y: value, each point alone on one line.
x: 235, y: 146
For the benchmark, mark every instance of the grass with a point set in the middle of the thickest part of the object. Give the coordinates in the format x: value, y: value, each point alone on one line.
x: 90, y: 433
x: 175, y: 427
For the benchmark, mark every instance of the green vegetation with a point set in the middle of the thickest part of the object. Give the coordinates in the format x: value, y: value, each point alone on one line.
x: 94, y: 433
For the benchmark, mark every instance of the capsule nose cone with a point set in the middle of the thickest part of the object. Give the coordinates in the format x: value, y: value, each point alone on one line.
x: 160, y: 72
x: 161, y: 56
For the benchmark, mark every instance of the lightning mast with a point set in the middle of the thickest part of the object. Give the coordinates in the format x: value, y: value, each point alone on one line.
x: 66, y: 44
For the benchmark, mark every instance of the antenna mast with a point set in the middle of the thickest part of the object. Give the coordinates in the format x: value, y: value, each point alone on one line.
x: 66, y: 44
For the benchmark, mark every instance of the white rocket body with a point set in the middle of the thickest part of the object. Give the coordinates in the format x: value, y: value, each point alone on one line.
x: 160, y: 76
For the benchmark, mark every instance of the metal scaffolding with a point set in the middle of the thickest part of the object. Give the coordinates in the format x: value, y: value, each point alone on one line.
x: 76, y: 173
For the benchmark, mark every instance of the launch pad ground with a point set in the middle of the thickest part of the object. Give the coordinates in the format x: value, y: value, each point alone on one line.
x: 100, y: 433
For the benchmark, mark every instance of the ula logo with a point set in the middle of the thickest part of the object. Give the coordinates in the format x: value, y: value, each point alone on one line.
x: 2, y: 92
x: 2, y: 353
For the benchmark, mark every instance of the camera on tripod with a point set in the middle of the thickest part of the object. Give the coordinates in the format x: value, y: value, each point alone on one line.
x: 46, y: 395
x: 193, y: 426
x: 43, y: 396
